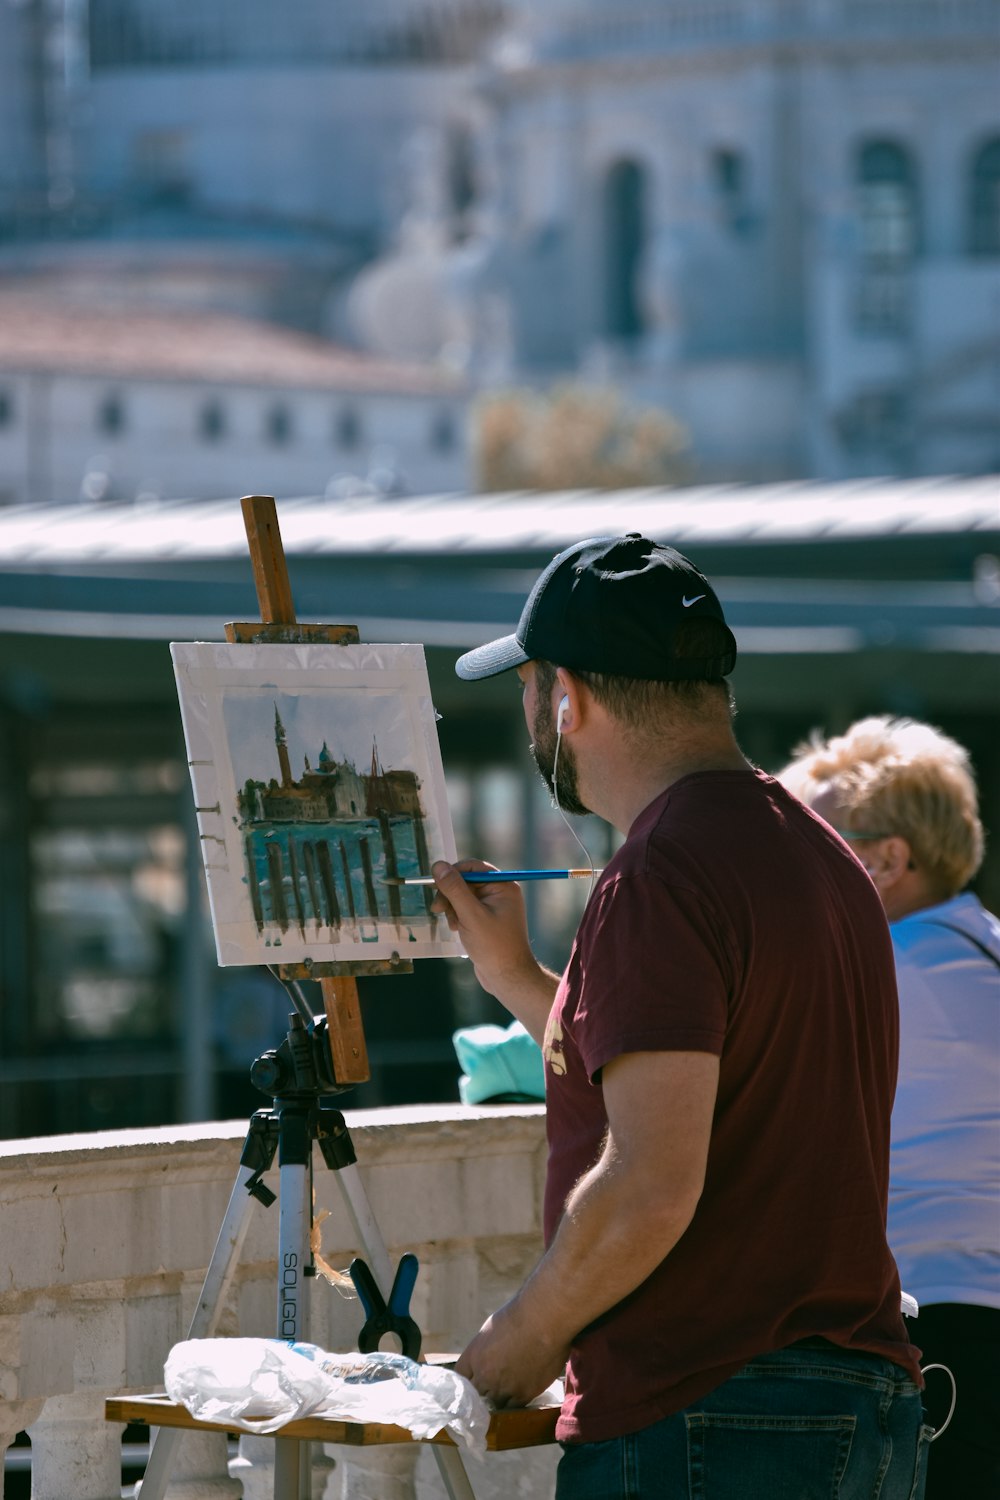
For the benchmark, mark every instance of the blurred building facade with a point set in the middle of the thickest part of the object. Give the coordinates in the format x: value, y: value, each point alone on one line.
x: 778, y: 218
x: 103, y: 403
x: 177, y: 185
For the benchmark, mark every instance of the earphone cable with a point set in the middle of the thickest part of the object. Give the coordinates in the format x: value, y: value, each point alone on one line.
x: 555, y: 797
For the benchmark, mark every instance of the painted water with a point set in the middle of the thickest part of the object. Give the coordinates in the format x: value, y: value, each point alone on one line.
x: 331, y: 876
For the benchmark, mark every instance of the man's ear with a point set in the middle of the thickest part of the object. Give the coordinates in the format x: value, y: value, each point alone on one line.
x: 567, y: 708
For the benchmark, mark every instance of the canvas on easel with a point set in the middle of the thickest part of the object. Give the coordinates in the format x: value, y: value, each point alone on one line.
x: 317, y: 780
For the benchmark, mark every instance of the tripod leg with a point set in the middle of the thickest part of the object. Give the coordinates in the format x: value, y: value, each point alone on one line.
x: 294, y: 1254
x: 225, y: 1258
x: 296, y: 1118
x: 291, y: 1458
x: 365, y: 1226
x: 449, y: 1460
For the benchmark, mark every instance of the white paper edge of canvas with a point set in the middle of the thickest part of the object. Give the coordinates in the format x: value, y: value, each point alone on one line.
x: 203, y: 670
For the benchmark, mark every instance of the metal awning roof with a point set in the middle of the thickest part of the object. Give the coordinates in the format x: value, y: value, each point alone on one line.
x: 802, y: 568
x: 87, y: 534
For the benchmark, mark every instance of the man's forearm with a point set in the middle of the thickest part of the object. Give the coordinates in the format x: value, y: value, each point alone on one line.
x: 528, y: 996
x: 620, y: 1221
x: 613, y: 1234
x: 607, y: 1244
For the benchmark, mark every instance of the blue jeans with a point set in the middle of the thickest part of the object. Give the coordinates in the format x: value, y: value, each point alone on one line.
x: 808, y: 1423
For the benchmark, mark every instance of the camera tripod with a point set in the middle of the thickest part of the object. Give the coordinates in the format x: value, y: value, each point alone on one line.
x: 299, y: 1077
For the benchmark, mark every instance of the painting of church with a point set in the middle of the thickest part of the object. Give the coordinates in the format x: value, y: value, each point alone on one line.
x: 334, y: 790
x: 318, y: 846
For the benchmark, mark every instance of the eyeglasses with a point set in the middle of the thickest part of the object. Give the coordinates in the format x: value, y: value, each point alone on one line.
x: 871, y: 838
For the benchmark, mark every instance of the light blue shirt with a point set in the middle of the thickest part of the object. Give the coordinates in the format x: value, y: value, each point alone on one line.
x: 944, y: 1190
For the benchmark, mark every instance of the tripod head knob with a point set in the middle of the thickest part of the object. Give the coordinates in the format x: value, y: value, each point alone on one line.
x: 302, y: 1064
x: 266, y: 1073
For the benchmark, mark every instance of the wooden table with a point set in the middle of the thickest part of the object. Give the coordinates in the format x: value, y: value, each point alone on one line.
x: 515, y: 1427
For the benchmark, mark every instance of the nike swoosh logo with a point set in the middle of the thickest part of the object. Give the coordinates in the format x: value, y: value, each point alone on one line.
x: 687, y: 603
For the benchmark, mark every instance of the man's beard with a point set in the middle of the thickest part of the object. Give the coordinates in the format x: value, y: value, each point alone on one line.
x: 560, y: 779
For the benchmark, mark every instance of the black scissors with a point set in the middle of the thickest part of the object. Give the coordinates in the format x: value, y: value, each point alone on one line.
x: 392, y: 1317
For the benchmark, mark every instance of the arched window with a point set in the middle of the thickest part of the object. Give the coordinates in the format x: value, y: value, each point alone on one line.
x: 624, y: 239
x: 984, y: 205
x: 887, y: 191
x: 347, y: 429
x: 729, y: 178
x: 888, y: 222
x: 460, y: 167
x: 111, y: 415
x: 212, y: 421
x: 278, y: 426
x: 444, y: 435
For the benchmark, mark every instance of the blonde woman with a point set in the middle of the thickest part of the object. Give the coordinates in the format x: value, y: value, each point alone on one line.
x: 903, y: 795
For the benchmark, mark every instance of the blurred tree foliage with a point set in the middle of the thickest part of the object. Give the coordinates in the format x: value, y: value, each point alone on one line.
x: 574, y: 437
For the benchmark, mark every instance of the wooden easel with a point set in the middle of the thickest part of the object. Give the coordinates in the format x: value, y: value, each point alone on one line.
x: 278, y: 625
x: 345, y: 1032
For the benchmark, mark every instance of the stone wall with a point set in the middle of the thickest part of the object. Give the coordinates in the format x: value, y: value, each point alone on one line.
x: 106, y: 1240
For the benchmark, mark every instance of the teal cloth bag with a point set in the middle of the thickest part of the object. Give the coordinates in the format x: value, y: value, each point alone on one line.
x: 499, y: 1063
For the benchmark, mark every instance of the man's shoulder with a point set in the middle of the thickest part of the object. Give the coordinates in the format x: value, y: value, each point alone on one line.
x: 736, y: 808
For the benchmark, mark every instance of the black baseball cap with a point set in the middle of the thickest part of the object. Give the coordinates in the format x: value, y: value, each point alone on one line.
x: 611, y: 604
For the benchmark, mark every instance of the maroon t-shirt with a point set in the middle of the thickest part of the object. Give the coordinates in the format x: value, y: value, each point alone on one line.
x: 733, y: 921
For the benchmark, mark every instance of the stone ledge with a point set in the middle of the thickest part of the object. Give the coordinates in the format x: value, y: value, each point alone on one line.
x: 374, y: 1126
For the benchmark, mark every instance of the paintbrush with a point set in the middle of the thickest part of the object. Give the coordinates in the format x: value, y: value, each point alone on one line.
x: 487, y: 877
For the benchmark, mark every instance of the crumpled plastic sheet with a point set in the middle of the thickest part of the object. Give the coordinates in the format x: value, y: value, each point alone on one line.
x: 257, y: 1385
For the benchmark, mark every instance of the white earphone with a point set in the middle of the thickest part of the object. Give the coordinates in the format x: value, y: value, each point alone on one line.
x: 562, y: 714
